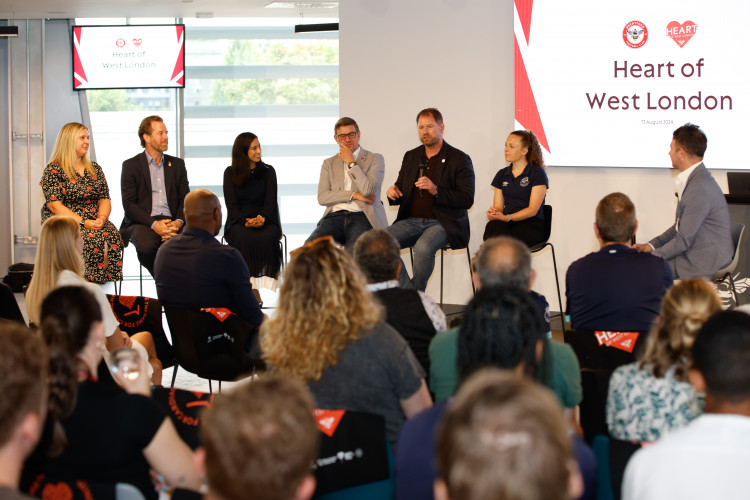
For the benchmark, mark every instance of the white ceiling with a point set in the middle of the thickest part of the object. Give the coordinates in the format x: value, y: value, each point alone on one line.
x: 60, y: 9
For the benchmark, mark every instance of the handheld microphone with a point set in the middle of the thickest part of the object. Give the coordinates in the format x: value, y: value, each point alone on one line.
x: 421, y: 174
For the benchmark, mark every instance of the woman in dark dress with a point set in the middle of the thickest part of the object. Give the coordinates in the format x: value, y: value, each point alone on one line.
x: 520, y: 189
x: 74, y: 185
x: 253, y: 224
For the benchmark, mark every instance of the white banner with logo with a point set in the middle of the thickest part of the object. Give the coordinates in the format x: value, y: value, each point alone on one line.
x: 107, y: 57
x: 606, y: 83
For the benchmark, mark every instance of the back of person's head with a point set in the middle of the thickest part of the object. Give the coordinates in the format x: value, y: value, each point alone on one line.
x: 378, y: 255
x: 503, y: 261
x: 615, y: 218
x: 501, y: 327
x: 684, y: 309
x: 23, y: 384
x: 56, y: 252
x: 692, y: 139
x: 323, y: 307
x: 260, y: 441
x: 721, y: 353
x: 68, y: 315
x: 505, y: 437
x: 203, y: 210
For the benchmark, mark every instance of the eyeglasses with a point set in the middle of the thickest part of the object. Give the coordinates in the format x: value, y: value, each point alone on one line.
x: 350, y: 135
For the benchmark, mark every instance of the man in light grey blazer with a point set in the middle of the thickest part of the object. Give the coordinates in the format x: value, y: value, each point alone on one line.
x: 700, y: 242
x: 349, y: 188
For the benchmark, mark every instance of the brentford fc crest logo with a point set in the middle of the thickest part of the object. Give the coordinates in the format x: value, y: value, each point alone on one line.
x: 635, y: 34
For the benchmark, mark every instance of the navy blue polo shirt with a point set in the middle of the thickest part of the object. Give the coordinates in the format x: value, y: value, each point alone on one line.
x: 517, y: 190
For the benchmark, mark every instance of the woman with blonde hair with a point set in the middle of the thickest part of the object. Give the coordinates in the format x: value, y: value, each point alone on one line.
x: 58, y: 263
x: 653, y: 396
x: 329, y: 333
x: 75, y: 186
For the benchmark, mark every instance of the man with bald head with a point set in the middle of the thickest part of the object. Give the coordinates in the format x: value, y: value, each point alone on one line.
x: 194, y: 270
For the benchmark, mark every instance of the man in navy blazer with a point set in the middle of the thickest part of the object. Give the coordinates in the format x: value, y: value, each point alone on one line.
x: 154, y: 186
x: 700, y: 241
x: 435, y: 189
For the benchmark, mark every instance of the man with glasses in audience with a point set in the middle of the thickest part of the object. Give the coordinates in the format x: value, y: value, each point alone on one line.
x: 435, y: 189
x: 349, y: 188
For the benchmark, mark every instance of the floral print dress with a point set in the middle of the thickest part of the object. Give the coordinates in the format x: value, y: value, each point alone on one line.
x: 81, y: 195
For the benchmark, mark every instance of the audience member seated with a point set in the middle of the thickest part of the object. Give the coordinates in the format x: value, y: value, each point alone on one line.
x: 194, y: 270
x: 259, y: 442
x: 328, y: 332
x: 411, y: 312
x: 498, y: 421
x: 617, y: 288
x: 23, y: 376
x: 708, y: 458
x: 506, y: 261
x: 253, y: 224
x: 520, y: 188
x: 501, y: 328
x: 75, y: 186
x: 653, y: 396
x: 58, y: 263
x: 96, y: 430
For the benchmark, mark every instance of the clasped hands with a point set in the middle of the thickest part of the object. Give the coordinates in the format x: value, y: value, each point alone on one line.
x: 494, y: 213
x: 97, y: 223
x: 255, y: 221
x: 167, y: 228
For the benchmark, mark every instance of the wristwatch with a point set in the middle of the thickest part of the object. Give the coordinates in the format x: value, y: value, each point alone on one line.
x: 351, y: 165
x: 510, y: 218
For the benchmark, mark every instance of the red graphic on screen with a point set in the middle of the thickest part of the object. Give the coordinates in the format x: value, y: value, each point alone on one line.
x: 524, y: 13
x: 79, y: 74
x: 137, y: 41
x: 179, y: 65
x: 527, y: 112
x: 681, y: 33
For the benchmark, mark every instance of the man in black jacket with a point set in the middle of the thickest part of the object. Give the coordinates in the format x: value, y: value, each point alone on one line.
x: 435, y: 189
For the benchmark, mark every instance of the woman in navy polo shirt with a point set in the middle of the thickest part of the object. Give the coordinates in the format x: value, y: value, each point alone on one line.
x: 520, y: 189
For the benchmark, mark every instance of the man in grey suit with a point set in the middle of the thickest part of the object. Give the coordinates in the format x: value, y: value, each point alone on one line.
x: 349, y: 188
x: 700, y: 242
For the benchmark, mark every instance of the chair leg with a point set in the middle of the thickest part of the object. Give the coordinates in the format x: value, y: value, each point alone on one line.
x: 411, y: 255
x: 471, y: 271
x: 141, y: 279
x: 210, y: 389
x: 174, y: 374
x: 219, y: 386
x: 557, y: 282
x: 441, y: 277
x: 734, y: 290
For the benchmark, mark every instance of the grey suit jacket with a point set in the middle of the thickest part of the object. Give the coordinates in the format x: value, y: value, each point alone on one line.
x: 367, y: 178
x: 700, y: 242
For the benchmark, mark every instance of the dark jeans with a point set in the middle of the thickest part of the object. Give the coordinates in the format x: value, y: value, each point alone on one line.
x: 345, y: 227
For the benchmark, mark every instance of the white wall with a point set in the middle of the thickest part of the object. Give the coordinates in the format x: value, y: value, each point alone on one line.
x: 398, y: 57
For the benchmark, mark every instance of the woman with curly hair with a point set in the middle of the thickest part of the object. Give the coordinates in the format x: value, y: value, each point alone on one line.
x: 329, y: 333
x: 75, y: 186
x: 520, y: 189
x: 653, y: 396
x: 96, y: 430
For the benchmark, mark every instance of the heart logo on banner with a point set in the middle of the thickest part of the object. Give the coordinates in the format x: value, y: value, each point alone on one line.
x: 681, y: 33
x: 138, y: 41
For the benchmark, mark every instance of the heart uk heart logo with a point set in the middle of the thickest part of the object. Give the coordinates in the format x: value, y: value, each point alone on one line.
x: 137, y: 41
x: 681, y: 33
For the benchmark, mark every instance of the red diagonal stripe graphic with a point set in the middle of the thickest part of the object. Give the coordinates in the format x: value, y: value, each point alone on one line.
x: 527, y: 113
x: 77, y: 64
x: 178, y: 65
x: 524, y: 13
